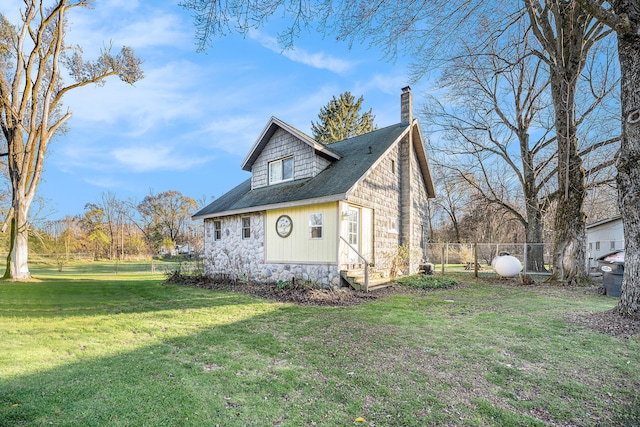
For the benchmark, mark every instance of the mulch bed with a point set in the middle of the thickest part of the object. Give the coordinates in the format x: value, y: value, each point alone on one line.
x: 297, y: 294
x: 607, y: 322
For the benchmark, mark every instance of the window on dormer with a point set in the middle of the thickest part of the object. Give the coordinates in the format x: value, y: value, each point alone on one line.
x: 281, y: 170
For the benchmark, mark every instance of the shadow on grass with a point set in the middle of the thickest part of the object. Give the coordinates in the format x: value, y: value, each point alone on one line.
x: 395, y: 362
x: 249, y: 372
x: 56, y: 298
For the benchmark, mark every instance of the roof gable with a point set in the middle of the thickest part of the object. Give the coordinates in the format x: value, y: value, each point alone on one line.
x: 265, y: 136
x: 357, y: 158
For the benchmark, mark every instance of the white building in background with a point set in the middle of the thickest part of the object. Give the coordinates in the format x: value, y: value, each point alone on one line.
x: 604, y: 237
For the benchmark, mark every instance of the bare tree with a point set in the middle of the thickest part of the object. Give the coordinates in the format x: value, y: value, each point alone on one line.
x: 623, y: 16
x: 422, y: 28
x: 94, y: 227
x: 453, y: 199
x: 114, y: 216
x: 33, y: 56
x: 566, y: 32
x: 165, y: 216
x: 494, y: 117
x: 494, y: 102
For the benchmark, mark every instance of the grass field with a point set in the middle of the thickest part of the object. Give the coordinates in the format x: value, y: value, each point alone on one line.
x: 48, y: 266
x: 127, y: 351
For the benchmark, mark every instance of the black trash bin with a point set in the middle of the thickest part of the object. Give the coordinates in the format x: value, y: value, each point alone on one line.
x: 612, y: 267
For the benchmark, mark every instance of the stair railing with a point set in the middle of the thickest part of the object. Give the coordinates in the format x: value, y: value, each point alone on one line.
x: 366, y: 263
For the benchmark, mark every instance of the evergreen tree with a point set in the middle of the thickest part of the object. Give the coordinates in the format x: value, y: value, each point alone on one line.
x: 341, y: 119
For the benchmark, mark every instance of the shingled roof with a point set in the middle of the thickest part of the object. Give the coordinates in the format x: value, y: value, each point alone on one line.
x: 357, y: 156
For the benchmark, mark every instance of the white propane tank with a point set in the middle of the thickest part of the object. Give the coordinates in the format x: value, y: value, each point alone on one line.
x: 506, y: 265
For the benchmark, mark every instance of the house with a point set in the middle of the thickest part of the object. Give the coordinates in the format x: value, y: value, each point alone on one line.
x: 316, y: 213
x: 604, y: 237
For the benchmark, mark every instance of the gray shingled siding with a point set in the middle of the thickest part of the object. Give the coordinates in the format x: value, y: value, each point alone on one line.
x: 282, y: 144
x: 235, y: 258
x: 421, y: 212
x: 380, y: 191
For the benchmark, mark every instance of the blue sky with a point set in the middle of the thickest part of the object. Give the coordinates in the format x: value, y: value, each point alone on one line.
x: 189, y: 124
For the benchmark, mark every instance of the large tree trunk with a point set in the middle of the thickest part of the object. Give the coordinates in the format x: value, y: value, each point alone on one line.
x: 629, y: 160
x: 566, y: 32
x: 535, y: 245
x: 17, y: 260
x: 569, y: 254
x: 534, y: 226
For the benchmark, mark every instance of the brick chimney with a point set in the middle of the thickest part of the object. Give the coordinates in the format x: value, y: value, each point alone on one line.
x: 406, y: 105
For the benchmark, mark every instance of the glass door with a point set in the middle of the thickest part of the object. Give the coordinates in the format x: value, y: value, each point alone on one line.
x: 353, y: 233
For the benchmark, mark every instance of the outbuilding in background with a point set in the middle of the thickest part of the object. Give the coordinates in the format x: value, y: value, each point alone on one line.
x: 604, y: 237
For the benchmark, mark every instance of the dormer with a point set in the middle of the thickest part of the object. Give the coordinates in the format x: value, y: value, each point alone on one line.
x: 282, y: 153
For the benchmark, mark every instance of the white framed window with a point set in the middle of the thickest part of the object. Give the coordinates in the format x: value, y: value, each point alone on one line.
x: 597, y: 246
x: 393, y: 225
x: 246, y: 227
x: 217, y: 230
x: 612, y: 245
x: 353, y: 226
x: 315, y: 225
x: 281, y: 170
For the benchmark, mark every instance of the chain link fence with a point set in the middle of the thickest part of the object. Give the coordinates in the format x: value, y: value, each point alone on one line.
x: 467, y: 257
x: 79, y: 263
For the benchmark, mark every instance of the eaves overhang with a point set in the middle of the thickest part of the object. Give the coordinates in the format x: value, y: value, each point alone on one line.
x: 282, y: 205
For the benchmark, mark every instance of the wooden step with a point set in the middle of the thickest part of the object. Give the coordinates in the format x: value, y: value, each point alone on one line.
x: 376, y: 281
x: 359, y: 274
x: 379, y: 283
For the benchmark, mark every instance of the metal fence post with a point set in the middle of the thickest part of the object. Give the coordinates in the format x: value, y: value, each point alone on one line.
x: 475, y: 259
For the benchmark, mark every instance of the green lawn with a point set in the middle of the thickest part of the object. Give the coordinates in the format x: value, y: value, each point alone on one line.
x: 126, y: 351
x: 48, y: 266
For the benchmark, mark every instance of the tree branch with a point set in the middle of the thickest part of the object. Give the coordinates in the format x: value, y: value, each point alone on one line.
x: 619, y: 23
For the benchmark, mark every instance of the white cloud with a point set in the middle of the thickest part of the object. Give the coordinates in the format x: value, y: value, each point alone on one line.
x: 126, y: 23
x: 161, y: 97
x: 389, y: 84
x: 146, y: 159
x: 318, y: 60
x: 104, y: 182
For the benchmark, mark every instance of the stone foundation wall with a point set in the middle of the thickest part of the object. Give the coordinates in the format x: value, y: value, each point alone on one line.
x: 243, y: 259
